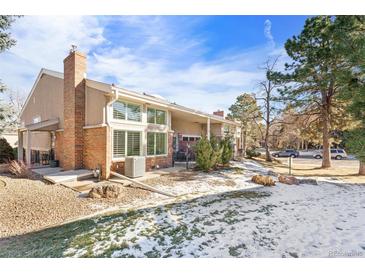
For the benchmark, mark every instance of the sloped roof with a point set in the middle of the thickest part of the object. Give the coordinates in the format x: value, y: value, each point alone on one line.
x: 108, y: 88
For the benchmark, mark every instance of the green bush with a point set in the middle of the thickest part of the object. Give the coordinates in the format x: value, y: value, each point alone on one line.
x: 355, y: 143
x: 15, y: 153
x: 6, y: 151
x: 217, y: 151
x: 227, y: 150
x: 251, y: 152
x: 207, y: 155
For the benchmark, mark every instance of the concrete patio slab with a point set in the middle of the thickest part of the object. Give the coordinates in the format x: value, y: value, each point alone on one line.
x: 46, y: 170
x: 69, y: 176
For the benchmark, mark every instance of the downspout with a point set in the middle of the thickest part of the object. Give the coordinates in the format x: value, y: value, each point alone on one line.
x: 107, y: 122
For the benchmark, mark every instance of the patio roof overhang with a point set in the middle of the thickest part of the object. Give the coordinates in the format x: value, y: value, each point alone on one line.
x: 192, y: 117
x: 47, y: 125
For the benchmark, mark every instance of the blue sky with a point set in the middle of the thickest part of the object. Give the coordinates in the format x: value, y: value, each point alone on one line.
x: 203, y: 62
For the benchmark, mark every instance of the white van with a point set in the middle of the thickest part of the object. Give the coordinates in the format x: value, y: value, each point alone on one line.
x: 337, y: 154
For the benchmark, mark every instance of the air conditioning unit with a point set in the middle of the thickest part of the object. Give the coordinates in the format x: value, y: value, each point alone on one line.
x: 135, y: 166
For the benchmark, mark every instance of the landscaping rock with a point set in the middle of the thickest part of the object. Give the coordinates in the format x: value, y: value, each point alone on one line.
x: 289, y: 180
x: 107, y: 191
x: 263, y: 180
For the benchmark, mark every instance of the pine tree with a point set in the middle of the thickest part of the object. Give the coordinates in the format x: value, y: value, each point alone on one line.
x: 318, y: 73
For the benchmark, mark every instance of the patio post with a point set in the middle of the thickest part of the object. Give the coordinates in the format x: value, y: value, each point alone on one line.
x: 20, y: 145
x: 208, y: 128
x: 27, y: 150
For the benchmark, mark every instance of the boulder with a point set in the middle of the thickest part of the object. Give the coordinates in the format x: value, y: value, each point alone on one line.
x: 308, y: 181
x: 289, y: 180
x: 106, y: 191
x: 263, y: 180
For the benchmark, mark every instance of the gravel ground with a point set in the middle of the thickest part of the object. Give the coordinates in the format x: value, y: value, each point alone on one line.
x: 29, y: 205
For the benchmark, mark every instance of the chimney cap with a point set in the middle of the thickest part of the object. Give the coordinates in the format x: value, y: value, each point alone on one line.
x: 73, y: 48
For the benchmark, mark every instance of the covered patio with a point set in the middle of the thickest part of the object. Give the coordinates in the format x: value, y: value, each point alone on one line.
x: 189, y: 126
x: 36, y: 143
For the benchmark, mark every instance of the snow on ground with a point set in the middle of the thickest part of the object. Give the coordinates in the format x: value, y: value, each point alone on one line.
x: 236, y: 177
x: 284, y: 221
x: 324, y: 220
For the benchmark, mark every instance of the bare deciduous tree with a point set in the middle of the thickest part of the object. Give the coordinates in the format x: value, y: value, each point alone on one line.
x: 268, y: 87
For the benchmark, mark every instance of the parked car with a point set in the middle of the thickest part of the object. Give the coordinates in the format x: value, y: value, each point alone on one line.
x: 337, y: 154
x: 286, y: 153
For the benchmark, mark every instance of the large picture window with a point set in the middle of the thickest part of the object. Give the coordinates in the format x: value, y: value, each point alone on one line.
x: 156, y: 143
x: 126, y: 111
x: 126, y: 141
x: 156, y: 116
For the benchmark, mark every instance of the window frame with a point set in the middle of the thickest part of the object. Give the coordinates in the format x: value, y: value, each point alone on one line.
x: 122, y: 158
x: 188, y: 136
x: 155, y: 116
x: 126, y: 120
x: 154, y: 145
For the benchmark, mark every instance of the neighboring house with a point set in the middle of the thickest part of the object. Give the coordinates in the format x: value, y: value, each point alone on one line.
x: 11, y: 136
x: 84, y: 123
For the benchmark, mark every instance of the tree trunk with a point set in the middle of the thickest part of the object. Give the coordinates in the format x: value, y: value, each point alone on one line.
x: 326, y: 161
x: 362, y: 168
x: 244, y: 138
x: 267, y: 152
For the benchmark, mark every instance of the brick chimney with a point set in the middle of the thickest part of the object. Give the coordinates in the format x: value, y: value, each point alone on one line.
x: 219, y: 113
x: 74, y: 68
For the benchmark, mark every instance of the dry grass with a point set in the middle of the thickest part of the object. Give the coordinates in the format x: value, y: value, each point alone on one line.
x: 312, y: 168
x: 19, y: 169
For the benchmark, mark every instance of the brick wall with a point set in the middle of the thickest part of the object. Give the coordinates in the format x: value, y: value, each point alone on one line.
x: 118, y: 167
x: 59, y: 147
x: 74, y: 110
x: 95, y: 149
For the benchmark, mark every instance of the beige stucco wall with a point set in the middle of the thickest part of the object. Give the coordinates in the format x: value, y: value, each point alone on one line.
x: 186, y: 127
x: 39, y: 141
x: 215, y: 129
x: 46, y: 101
x: 95, y: 107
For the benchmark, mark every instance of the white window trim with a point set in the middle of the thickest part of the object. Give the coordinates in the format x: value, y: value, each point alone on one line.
x: 120, y: 159
x: 38, y: 118
x: 126, y: 121
x: 166, y: 116
x: 166, y: 145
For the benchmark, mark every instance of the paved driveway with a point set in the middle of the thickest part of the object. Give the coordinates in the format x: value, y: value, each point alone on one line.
x: 335, y: 163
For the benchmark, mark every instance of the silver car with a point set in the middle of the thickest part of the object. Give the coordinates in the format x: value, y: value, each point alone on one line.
x: 337, y: 154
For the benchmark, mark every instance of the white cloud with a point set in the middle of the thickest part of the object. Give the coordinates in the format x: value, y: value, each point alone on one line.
x: 43, y: 42
x: 268, y: 34
x: 150, y: 54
